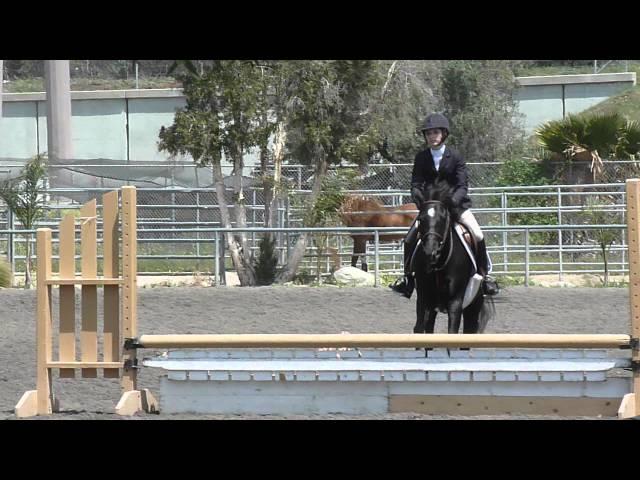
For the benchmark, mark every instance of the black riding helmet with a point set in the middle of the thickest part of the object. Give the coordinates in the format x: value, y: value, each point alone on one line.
x: 436, y: 120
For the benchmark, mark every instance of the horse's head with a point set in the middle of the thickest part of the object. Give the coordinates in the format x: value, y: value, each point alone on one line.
x: 434, y: 222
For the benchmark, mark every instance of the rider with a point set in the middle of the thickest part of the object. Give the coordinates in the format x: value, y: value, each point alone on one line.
x: 440, y: 161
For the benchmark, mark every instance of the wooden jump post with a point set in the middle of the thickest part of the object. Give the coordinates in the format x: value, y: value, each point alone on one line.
x: 631, y: 402
x: 120, y: 315
x: 42, y: 402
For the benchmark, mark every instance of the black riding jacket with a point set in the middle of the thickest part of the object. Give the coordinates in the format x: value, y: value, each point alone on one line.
x: 452, y: 168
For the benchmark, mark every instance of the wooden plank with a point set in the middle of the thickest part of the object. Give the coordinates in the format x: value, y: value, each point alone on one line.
x: 503, y: 405
x: 43, y: 326
x: 134, y: 401
x: 633, y: 233
x: 27, y: 406
x: 89, y: 249
x: 110, y: 269
x: 84, y: 281
x: 627, y: 406
x: 85, y: 365
x: 67, y: 247
x: 129, y: 289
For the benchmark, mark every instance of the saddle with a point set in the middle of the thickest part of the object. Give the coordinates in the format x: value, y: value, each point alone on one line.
x: 468, y: 241
x: 470, y: 247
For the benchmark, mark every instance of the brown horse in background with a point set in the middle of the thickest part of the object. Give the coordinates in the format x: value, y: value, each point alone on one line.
x: 362, y: 211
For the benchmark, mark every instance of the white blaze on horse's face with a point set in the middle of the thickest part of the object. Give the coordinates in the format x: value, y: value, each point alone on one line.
x: 431, y: 212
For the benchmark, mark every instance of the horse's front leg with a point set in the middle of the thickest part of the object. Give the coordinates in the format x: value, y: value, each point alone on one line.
x: 471, y: 316
x: 429, y: 324
x: 430, y: 321
x: 421, y: 309
x: 454, y: 309
x: 359, y: 250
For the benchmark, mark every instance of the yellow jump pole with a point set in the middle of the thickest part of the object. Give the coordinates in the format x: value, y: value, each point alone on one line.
x: 382, y: 340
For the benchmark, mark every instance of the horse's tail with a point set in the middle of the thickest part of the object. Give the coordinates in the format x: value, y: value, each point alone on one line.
x: 487, y: 312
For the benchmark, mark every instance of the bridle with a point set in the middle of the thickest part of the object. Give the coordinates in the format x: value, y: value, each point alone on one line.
x: 442, y: 239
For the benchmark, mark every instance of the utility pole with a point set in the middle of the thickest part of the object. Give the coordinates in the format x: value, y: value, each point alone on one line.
x: 1, y: 84
x: 57, y: 86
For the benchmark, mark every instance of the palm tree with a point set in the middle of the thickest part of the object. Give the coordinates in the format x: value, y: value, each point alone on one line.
x: 581, y: 137
x: 24, y: 197
x: 629, y: 142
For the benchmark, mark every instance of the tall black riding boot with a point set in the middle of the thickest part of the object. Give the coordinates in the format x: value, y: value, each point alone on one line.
x: 406, y: 284
x: 490, y: 287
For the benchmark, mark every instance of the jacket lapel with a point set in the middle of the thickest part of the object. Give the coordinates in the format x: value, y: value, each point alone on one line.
x: 444, y: 163
x: 430, y: 164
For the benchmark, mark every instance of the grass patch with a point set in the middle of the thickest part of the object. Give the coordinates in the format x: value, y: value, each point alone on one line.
x: 36, y: 84
x: 614, y: 67
x: 626, y: 103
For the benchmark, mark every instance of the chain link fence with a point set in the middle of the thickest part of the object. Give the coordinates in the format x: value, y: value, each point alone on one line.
x: 484, y: 174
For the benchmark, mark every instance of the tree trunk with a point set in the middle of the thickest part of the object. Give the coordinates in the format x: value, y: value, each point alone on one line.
x: 268, y: 187
x: 245, y: 269
x: 246, y: 275
x: 289, y: 270
x: 271, y: 187
x: 239, y: 200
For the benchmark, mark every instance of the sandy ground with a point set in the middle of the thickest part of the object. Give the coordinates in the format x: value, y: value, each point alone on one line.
x: 284, y: 310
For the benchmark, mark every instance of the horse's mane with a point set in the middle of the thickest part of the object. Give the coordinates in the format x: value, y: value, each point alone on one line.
x: 439, y: 190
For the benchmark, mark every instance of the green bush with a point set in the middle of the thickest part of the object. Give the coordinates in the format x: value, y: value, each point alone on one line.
x: 519, y: 171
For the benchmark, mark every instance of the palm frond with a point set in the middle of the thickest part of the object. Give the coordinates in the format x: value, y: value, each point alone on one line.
x: 628, y: 140
x: 601, y: 132
x: 552, y: 136
x: 579, y: 133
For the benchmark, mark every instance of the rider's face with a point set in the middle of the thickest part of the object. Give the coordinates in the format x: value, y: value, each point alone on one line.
x: 434, y: 137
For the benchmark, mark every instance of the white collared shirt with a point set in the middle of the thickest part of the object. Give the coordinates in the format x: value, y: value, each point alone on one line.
x: 437, y: 156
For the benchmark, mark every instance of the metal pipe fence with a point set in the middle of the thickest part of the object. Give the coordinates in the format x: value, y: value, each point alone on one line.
x: 556, y: 228
x: 525, y: 257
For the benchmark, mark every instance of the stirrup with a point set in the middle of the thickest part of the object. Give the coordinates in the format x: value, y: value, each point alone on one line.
x: 490, y: 286
x: 401, y: 286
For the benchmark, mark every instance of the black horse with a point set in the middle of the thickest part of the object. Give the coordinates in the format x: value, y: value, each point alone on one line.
x: 443, y: 268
